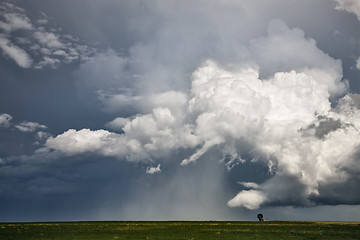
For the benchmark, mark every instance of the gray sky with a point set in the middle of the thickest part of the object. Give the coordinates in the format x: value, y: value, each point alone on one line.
x: 179, y: 110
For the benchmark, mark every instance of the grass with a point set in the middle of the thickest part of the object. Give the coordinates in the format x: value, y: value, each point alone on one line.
x: 180, y: 230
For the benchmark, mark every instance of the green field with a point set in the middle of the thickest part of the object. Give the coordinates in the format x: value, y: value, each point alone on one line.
x: 180, y: 230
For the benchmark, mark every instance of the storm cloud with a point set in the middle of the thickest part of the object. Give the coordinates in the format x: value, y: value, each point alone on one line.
x: 196, y: 96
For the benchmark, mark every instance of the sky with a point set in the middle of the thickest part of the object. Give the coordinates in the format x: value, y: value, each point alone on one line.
x: 179, y: 110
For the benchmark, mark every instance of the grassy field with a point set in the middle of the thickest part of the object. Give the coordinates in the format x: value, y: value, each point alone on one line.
x: 180, y: 230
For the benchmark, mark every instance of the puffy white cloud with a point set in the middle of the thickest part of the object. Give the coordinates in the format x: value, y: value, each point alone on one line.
x: 160, y: 131
x: 271, y: 115
x: 352, y: 6
x: 250, y: 199
x: 15, y: 53
x: 358, y: 63
x: 117, y: 124
x: 74, y: 142
x: 5, y: 120
x: 102, y: 142
x: 174, y: 100
x: 226, y: 102
x: 29, y: 126
x: 153, y: 170
x: 144, y: 137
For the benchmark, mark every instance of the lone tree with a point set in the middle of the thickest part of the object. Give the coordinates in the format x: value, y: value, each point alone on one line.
x: 260, y: 217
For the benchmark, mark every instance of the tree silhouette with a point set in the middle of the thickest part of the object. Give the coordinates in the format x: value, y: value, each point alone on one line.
x: 260, y: 217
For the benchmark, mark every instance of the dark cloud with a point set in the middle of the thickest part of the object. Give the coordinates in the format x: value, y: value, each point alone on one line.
x: 257, y: 100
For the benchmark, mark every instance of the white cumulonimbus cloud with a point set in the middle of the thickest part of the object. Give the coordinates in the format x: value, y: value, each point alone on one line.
x: 279, y: 117
x: 280, y: 108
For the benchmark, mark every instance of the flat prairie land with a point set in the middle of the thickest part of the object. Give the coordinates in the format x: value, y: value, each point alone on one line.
x: 180, y: 230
